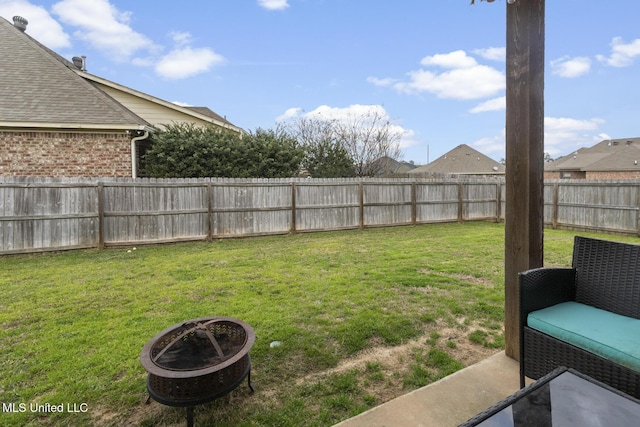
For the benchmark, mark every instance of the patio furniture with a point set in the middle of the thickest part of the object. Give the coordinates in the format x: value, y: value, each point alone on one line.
x: 564, y: 397
x: 584, y: 317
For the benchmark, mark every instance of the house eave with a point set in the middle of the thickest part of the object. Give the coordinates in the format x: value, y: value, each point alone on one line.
x: 74, y: 126
x: 158, y: 101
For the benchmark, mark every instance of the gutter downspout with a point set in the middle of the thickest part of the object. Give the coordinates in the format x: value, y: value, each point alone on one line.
x: 134, y: 140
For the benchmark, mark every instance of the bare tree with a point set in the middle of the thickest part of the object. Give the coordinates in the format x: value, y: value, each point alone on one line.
x: 371, y: 140
x: 325, y: 157
x: 368, y: 140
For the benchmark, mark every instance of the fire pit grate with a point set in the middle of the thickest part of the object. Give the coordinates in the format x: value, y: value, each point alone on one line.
x: 198, y: 361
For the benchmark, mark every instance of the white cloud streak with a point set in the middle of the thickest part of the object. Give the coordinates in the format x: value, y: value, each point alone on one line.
x: 622, y: 54
x: 492, y: 53
x: 105, y: 28
x: 346, y: 115
x: 186, y: 62
x: 571, y: 67
x: 463, y: 78
x: 562, y: 135
x: 495, y: 104
x: 273, y: 4
x: 41, y: 26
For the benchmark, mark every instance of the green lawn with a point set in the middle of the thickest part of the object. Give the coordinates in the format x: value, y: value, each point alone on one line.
x: 363, y: 316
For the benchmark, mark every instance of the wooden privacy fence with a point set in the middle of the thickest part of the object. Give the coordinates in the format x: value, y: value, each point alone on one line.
x: 40, y: 215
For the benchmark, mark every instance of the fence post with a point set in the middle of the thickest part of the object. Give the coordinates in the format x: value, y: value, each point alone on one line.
x: 361, y: 197
x: 293, y: 207
x: 498, y: 202
x: 556, y: 198
x: 414, y: 203
x: 210, y: 211
x: 100, y: 189
x: 460, y: 202
x: 638, y: 211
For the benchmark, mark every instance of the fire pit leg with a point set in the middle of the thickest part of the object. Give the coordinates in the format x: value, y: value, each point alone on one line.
x: 190, y: 416
x: 249, y: 380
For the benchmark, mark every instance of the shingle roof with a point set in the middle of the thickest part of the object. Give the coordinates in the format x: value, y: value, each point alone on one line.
x: 608, y: 155
x: 206, y: 111
x: 38, y: 86
x: 462, y: 160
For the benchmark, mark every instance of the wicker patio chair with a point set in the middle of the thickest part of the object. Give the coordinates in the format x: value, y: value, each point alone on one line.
x: 605, y: 275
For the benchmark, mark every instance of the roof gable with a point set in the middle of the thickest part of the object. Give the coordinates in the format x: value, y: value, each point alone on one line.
x: 39, y: 89
x: 462, y: 160
x: 154, y: 110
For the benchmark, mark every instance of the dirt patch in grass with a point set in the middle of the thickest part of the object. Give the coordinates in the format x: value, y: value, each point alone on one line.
x: 463, y: 277
x: 387, y: 365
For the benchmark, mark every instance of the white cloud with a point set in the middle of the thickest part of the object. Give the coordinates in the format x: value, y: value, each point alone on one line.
x: 273, y: 4
x: 105, y: 28
x: 181, y: 38
x: 563, y: 135
x: 571, y: 67
x: 186, y: 61
x: 41, y: 25
x: 351, y: 113
x: 493, y: 53
x: 463, y: 78
x: 108, y: 30
x: 491, y: 146
x: 456, y: 59
x: 568, y: 124
x: 495, y: 104
x: 622, y: 54
x: 290, y: 113
x: 474, y: 82
x: 381, y: 82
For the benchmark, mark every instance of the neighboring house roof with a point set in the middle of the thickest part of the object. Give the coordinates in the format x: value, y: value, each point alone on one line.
x: 39, y: 88
x: 462, y: 160
x: 606, y: 156
x: 388, y: 166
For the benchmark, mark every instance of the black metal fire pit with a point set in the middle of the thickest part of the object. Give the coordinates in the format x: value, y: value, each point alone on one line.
x: 198, y: 361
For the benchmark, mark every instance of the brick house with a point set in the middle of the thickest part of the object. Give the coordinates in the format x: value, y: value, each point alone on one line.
x: 609, y: 159
x: 57, y: 120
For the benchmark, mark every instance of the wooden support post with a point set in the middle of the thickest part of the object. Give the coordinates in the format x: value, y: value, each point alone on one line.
x: 524, y: 153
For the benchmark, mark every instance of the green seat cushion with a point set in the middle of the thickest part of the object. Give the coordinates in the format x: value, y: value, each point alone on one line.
x: 609, y: 335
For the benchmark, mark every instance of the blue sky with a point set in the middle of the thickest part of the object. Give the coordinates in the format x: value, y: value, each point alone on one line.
x: 436, y: 69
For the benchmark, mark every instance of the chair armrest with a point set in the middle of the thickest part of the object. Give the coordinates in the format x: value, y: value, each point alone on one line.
x: 540, y: 288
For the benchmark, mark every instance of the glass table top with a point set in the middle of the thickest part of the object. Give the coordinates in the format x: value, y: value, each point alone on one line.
x: 568, y: 399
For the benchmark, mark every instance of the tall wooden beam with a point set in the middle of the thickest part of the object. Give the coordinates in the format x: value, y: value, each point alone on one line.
x: 524, y: 153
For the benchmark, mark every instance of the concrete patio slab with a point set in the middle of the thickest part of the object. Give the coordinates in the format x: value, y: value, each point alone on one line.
x: 448, y: 402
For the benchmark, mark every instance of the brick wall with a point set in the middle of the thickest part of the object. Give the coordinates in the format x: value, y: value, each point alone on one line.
x: 593, y: 175
x: 614, y: 175
x: 65, y: 154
